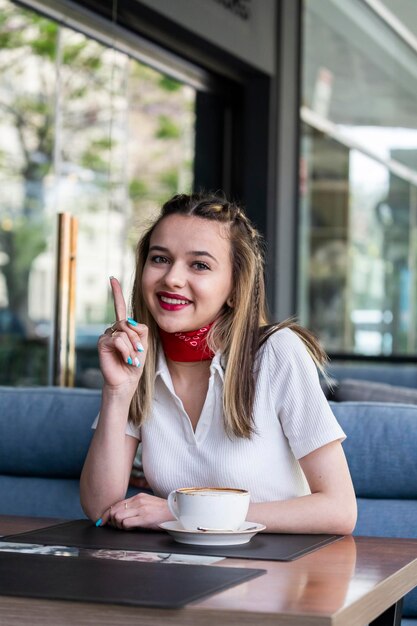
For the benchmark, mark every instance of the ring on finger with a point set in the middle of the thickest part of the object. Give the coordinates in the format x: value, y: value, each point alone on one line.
x: 125, y: 505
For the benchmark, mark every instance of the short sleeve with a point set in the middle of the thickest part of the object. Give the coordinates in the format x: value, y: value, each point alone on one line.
x: 131, y: 430
x: 305, y: 415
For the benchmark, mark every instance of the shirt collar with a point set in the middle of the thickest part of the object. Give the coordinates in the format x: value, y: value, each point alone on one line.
x: 163, y: 372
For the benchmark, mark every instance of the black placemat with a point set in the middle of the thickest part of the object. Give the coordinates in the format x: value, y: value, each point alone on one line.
x: 115, y: 582
x: 84, y: 534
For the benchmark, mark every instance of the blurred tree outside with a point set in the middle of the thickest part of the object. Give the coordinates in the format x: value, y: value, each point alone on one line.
x: 86, y: 129
x: 29, y: 49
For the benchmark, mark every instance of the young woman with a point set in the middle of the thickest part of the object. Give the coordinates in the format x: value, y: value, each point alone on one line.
x: 217, y: 397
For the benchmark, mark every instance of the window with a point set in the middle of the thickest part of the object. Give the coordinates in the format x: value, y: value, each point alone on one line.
x: 87, y: 129
x: 358, y: 181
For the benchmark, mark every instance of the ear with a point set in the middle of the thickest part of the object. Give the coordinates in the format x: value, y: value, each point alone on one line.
x: 230, y: 302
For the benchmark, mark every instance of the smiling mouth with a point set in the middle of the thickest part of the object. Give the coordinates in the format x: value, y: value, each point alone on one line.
x: 173, y: 300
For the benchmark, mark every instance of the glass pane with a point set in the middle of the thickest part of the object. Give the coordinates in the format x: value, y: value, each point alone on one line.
x: 87, y: 130
x: 27, y: 98
x: 358, y: 250
x: 362, y: 76
x: 126, y: 138
x: 358, y: 238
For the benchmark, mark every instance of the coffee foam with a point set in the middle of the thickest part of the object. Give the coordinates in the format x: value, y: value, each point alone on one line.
x: 211, y: 491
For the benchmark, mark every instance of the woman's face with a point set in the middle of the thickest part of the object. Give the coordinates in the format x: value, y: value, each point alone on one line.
x: 187, y: 277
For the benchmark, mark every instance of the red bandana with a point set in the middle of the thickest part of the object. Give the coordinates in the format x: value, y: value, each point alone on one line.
x: 187, y: 346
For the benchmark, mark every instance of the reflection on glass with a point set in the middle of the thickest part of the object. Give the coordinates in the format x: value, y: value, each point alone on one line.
x: 360, y: 74
x: 84, y: 129
x: 358, y: 196
x: 358, y: 239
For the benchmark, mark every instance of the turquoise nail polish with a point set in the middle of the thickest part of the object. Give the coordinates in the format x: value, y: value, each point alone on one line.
x: 131, y: 322
x: 99, y: 522
x: 129, y: 361
x: 137, y: 362
x: 139, y: 347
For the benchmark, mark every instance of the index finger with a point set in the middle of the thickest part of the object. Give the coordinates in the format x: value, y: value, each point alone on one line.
x: 118, y: 299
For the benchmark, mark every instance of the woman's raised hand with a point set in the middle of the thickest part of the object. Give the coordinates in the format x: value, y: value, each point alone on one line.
x: 122, y: 348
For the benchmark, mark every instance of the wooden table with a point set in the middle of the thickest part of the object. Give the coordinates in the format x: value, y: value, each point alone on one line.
x: 348, y: 583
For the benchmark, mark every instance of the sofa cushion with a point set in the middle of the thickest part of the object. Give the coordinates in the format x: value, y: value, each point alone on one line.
x: 40, y: 497
x: 43, y: 497
x: 349, y: 390
x: 380, y: 447
x: 45, y: 431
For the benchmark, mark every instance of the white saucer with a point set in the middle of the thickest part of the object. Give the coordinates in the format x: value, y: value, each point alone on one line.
x: 212, y: 537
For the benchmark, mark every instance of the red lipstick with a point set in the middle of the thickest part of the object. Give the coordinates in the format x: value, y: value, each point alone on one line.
x: 172, y: 301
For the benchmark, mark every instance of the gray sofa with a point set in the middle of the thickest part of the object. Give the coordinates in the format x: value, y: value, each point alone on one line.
x: 45, y: 434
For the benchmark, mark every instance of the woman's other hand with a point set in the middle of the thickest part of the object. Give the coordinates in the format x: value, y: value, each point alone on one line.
x: 122, y: 348
x: 142, y: 510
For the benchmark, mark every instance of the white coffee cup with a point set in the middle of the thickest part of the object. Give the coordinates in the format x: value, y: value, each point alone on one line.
x: 210, y: 508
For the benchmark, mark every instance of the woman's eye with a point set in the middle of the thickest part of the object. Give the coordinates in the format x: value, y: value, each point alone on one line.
x: 201, y: 266
x: 159, y: 259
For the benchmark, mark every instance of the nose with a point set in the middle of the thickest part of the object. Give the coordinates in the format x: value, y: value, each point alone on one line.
x: 175, y: 276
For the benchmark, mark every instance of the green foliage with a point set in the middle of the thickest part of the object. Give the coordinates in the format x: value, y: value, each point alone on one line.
x: 45, y: 44
x: 20, y: 28
x: 92, y: 63
x: 29, y: 242
x: 169, y: 84
x: 92, y: 160
x: 169, y: 181
x: 72, y: 52
x: 104, y: 143
x: 137, y: 188
x: 79, y: 92
x: 167, y: 128
x: 142, y: 72
x: 96, y: 156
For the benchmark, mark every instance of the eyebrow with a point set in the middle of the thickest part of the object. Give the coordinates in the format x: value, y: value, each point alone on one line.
x: 191, y: 252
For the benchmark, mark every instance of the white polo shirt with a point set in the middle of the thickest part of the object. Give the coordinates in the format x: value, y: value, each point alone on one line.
x: 291, y: 415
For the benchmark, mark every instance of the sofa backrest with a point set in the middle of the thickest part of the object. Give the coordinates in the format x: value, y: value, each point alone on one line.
x: 381, y: 447
x: 403, y: 375
x: 45, y: 431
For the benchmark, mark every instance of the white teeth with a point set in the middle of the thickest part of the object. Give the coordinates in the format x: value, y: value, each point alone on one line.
x: 173, y: 300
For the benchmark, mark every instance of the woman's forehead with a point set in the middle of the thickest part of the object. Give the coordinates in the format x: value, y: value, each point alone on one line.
x: 193, y: 230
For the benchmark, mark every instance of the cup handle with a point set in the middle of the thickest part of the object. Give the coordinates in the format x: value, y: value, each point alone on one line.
x: 172, y: 504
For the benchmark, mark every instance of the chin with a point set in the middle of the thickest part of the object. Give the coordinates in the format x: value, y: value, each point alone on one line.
x: 179, y: 327
x: 170, y: 326
x: 175, y: 322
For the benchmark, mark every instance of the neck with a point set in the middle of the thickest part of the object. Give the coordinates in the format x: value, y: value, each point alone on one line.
x: 183, y: 370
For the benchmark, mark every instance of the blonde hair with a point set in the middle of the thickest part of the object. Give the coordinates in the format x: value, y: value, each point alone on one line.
x: 240, y: 329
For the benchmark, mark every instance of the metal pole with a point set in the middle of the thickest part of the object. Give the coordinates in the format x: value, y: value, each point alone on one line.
x: 72, y: 266
x: 60, y: 335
